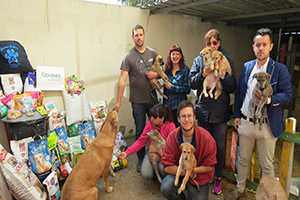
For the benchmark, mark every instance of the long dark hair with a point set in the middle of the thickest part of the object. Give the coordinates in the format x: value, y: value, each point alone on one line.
x: 169, y: 64
x: 162, y: 110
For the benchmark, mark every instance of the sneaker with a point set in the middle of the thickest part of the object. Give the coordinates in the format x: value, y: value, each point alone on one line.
x: 217, y: 186
x: 234, y: 195
x: 138, y: 166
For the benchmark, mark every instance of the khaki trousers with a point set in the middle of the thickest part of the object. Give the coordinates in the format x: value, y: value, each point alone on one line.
x: 266, y: 142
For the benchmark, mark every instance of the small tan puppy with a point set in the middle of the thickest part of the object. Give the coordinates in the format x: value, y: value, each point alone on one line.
x: 157, y: 67
x: 210, y: 80
x: 41, y: 164
x: 187, y: 162
x: 80, y: 185
x: 158, y: 143
x: 218, y: 58
x: 270, y: 188
x: 256, y: 106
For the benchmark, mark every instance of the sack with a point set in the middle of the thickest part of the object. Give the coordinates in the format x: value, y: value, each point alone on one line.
x: 52, y: 185
x: 20, y: 149
x: 87, y: 133
x: 13, y: 59
x: 62, y: 139
x: 39, y: 156
x: 77, y: 108
x: 20, y: 180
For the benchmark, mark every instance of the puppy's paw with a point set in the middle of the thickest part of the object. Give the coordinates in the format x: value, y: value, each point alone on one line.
x: 109, y: 189
x: 180, y: 189
x: 176, y: 182
x: 205, y: 94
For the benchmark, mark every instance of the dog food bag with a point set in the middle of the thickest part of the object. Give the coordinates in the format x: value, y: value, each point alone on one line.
x: 12, y: 83
x: 20, y: 180
x: 74, y: 145
x: 56, y: 120
x: 73, y: 130
x: 50, y: 107
x: 39, y: 156
x: 52, y: 185
x: 120, y: 142
x: 20, y: 149
x: 62, y: 137
x: 4, y: 192
x: 87, y: 133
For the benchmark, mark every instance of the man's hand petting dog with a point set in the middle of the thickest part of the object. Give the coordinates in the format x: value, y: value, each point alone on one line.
x: 151, y: 75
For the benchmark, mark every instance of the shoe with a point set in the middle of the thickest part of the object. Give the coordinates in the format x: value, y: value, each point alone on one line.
x: 234, y: 195
x: 138, y: 166
x: 217, y: 189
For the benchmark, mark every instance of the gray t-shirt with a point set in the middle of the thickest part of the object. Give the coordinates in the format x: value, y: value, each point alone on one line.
x: 137, y: 64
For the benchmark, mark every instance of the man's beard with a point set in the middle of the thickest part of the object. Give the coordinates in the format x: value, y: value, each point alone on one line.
x: 187, y: 129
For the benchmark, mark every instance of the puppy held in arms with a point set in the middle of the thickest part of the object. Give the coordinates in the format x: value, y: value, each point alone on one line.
x: 257, y: 106
x: 187, y: 162
x: 157, y: 67
x: 95, y: 161
x: 158, y: 142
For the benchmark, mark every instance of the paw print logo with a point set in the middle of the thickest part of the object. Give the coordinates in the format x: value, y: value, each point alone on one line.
x: 11, y: 56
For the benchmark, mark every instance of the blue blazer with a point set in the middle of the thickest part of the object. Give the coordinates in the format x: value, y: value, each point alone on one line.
x: 282, y: 93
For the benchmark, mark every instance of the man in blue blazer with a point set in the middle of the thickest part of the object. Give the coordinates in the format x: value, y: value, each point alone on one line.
x: 273, y: 124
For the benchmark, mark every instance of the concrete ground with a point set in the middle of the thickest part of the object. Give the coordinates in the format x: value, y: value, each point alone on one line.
x: 129, y: 185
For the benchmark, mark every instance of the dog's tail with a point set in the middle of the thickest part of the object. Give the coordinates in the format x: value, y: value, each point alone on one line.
x: 195, y: 182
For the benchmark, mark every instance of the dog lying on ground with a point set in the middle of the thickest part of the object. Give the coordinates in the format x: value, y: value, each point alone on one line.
x: 157, y: 67
x: 96, y: 160
x: 270, y: 188
x: 41, y: 164
x: 188, y: 162
x: 158, y: 142
x: 257, y: 107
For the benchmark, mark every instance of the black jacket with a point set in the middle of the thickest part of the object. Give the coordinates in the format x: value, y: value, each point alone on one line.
x: 211, y: 110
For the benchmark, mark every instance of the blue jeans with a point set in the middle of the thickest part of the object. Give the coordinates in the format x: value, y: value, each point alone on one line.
x: 218, y: 132
x: 147, y: 171
x: 169, y: 190
x: 139, y: 111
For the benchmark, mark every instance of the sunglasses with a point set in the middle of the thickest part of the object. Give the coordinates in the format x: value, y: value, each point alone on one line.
x: 214, y: 43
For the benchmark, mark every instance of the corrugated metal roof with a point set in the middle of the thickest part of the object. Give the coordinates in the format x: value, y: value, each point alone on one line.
x: 254, y: 14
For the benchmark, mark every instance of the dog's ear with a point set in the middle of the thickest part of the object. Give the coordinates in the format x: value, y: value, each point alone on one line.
x: 268, y: 76
x: 255, y: 76
x: 181, y: 146
x: 193, y: 149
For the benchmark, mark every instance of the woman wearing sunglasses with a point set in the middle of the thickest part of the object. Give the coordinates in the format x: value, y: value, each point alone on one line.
x: 213, y: 114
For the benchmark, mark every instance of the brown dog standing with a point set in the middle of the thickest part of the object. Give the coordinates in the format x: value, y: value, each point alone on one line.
x: 80, y: 185
x: 158, y: 143
x: 188, y: 162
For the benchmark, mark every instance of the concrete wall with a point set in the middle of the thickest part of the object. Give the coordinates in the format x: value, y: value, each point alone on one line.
x: 90, y: 40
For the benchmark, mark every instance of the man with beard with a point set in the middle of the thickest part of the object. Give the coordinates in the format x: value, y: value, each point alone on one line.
x: 273, y: 124
x: 205, y: 153
x: 136, y: 64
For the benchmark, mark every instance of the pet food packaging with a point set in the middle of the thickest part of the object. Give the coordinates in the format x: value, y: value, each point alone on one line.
x: 117, y: 163
x: 52, y: 185
x: 56, y: 119
x: 120, y: 142
x: 41, y: 110
x: 62, y: 137
x: 20, y: 180
x: 3, y: 111
x: 73, y: 130
x: 12, y: 84
x: 74, y: 145
x: 4, y: 192
x: 39, y: 156
x: 52, y: 147
x: 20, y: 149
x: 68, y: 167
x: 65, y: 157
x: 76, y: 156
x: 87, y: 133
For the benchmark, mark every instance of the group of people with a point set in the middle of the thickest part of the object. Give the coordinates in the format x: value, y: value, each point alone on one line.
x: 175, y: 118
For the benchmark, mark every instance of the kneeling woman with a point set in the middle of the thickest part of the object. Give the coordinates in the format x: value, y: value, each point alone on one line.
x: 161, y: 119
